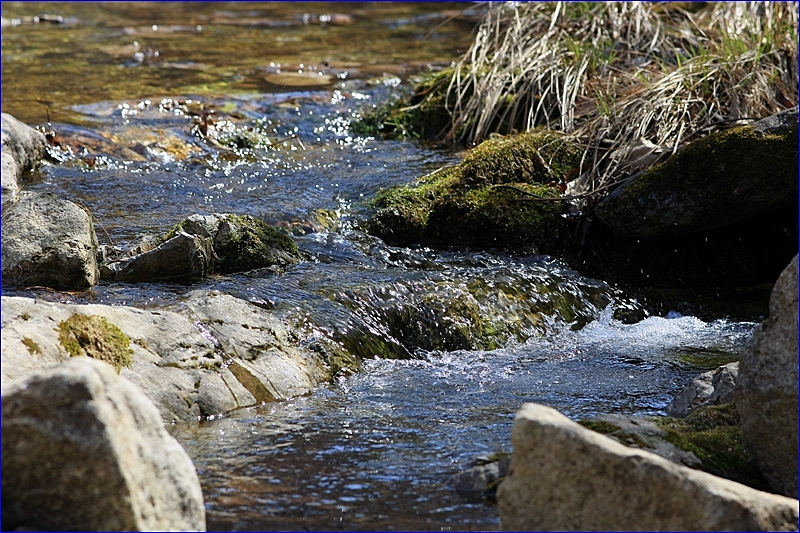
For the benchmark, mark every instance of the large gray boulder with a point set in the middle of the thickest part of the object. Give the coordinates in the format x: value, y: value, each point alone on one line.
x: 721, y: 179
x: 766, y: 392
x: 48, y: 241
x: 221, y: 354
x: 85, y: 450
x: 565, y: 477
x: 22, y: 148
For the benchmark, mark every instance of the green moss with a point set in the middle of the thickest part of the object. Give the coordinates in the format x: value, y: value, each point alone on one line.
x: 599, y: 426
x: 487, y: 201
x: 713, y: 434
x: 32, y: 346
x: 254, y: 244
x: 725, y: 172
x: 95, y: 337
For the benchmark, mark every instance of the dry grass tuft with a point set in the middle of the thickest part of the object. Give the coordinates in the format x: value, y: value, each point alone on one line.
x: 631, y: 81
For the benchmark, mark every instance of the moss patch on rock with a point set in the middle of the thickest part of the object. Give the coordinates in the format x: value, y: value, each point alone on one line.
x: 718, y: 180
x: 245, y: 242
x: 492, y: 199
x: 599, y: 426
x: 714, y: 435
x: 95, y: 337
x: 32, y: 346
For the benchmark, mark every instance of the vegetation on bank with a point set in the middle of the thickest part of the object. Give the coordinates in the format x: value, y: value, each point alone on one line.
x: 629, y: 82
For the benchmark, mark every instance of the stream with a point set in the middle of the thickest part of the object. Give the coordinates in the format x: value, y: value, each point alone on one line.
x: 125, y: 87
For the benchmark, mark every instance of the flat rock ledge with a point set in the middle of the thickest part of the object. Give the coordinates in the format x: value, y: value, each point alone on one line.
x: 218, y: 354
x: 565, y: 477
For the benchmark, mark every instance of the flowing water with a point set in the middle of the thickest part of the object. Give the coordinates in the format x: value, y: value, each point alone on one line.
x: 126, y: 88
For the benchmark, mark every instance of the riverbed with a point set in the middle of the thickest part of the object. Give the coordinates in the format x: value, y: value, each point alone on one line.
x: 125, y: 88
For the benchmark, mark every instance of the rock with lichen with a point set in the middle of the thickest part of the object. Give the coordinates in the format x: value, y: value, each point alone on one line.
x: 220, y: 354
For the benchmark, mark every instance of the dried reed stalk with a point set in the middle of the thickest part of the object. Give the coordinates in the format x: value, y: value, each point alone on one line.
x: 631, y: 81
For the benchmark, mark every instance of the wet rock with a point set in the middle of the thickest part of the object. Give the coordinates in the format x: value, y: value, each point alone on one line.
x: 85, y: 450
x: 480, y: 478
x: 48, y: 241
x: 243, y: 242
x: 269, y: 362
x: 183, y: 256
x: 766, y: 392
x: 22, y: 148
x: 221, y: 355
x: 566, y: 477
x: 724, y: 178
x: 709, y: 388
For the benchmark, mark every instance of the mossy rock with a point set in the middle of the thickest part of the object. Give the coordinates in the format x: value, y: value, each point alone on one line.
x: 492, y: 199
x: 714, y: 435
x: 242, y: 242
x: 245, y: 242
x: 723, y: 178
x: 95, y: 337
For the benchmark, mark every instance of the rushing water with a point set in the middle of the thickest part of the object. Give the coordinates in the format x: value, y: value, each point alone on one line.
x: 373, y: 450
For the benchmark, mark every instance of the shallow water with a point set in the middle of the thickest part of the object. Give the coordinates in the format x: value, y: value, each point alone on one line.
x: 373, y: 450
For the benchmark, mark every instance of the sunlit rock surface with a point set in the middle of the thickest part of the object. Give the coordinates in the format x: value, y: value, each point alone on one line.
x: 568, y: 478
x: 220, y: 355
x: 85, y: 450
x: 22, y: 148
x: 48, y: 241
